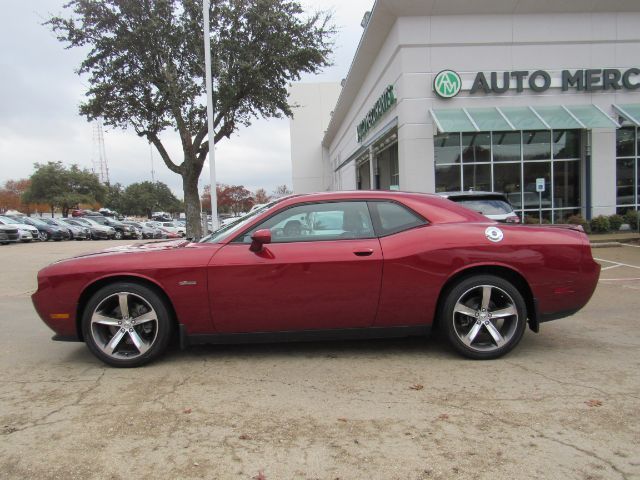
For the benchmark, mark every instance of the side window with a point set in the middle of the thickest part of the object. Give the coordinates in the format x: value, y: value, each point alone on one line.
x: 391, y: 217
x: 317, y: 222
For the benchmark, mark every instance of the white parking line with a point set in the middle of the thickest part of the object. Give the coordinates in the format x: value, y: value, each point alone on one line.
x: 629, y: 245
x: 609, y: 267
x: 617, y: 263
x: 618, y: 279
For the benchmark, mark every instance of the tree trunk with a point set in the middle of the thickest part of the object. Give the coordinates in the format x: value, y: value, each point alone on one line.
x: 192, y: 202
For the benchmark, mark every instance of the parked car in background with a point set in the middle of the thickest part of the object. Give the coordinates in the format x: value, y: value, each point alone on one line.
x: 147, y: 232
x: 47, y: 232
x: 75, y: 233
x: 78, y: 231
x: 27, y: 232
x: 122, y: 230
x: 174, y: 228
x: 98, y: 231
x: 492, y: 205
x: 161, y: 216
x: 4, y: 237
x: 138, y: 228
x: 159, y: 232
x: 82, y: 212
x: 10, y: 234
x: 329, y: 265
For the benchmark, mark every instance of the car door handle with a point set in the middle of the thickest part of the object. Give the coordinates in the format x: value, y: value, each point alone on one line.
x: 364, y: 252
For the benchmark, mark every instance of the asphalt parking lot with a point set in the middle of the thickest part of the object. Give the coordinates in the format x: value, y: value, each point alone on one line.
x: 565, y: 404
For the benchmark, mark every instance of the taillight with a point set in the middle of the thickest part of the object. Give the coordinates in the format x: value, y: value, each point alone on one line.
x: 514, y: 219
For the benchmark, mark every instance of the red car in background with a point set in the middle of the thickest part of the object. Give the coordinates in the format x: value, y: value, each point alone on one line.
x: 328, y: 265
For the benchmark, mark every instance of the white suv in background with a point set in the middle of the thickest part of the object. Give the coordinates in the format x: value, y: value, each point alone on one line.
x: 492, y: 205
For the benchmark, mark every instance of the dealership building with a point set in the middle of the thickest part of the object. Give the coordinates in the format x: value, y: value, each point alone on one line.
x: 539, y: 100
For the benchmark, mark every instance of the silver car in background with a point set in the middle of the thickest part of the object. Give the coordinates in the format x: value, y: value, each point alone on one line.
x: 26, y: 232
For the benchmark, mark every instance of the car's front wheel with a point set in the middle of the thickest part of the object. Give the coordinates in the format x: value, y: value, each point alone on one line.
x: 126, y: 324
x: 118, y: 235
x: 484, y: 316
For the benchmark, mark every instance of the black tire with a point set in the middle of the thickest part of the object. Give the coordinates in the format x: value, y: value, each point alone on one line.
x: 118, y: 235
x: 93, y: 336
x: 46, y: 237
x: 469, y: 333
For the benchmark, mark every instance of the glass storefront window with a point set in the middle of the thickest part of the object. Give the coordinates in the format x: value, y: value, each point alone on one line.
x: 625, y: 142
x: 506, y: 146
x: 506, y: 179
x: 447, y: 178
x: 536, y: 145
x: 511, y: 162
x: 533, y: 171
x: 476, y: 147
x: 566, y: 144
x: 563, y: 215
x: 566, y: 184
x: 477, y: 177
x: 387, y: 162
x: 364, y: 177
x: 447, y: 148
x: 625, y: 171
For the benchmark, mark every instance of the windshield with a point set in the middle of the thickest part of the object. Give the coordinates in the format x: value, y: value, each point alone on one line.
x: 9, y: 220
x: 487, y: 206
x: 38, y: 223
x: 231, y: 228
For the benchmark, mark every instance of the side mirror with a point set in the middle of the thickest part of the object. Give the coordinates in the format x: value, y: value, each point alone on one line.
x: 260, y: 238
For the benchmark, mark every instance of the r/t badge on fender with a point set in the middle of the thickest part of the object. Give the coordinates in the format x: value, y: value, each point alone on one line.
x: 494, y: 234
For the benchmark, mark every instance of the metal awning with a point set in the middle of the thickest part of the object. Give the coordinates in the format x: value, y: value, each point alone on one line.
x: 630, y: 112
x: 556, y: 117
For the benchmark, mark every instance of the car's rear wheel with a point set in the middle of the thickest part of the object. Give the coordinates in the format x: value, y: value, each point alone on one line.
x: 126, y: 324
x: 484, y: 316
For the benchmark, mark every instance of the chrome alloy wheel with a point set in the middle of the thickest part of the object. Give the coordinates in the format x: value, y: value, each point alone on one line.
x: 485, y: 318
x: 124, y: 325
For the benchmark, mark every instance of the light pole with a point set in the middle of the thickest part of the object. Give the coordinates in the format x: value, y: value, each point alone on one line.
x: 209, y: 80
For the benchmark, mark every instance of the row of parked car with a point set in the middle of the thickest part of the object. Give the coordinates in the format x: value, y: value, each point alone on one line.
x: 20, y: 228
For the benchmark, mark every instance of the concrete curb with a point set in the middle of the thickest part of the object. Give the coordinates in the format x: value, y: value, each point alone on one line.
x: 605, y: 244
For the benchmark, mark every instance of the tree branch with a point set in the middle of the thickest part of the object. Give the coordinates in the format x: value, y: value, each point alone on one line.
x: 153, y: 138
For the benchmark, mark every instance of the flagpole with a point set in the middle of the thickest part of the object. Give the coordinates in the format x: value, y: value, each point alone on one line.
x: 209, y: 80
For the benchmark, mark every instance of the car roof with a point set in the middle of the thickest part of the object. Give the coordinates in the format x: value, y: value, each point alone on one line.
x: 473, y: 194
x: 433, y: 207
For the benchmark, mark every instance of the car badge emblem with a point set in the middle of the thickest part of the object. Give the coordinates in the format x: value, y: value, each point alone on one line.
x: 494, y: 234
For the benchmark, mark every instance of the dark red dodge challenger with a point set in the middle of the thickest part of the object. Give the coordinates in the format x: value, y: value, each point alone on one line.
x: 328, y: 265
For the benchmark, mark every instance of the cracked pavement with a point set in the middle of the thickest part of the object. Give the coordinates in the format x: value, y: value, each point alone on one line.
x: 565, y: 404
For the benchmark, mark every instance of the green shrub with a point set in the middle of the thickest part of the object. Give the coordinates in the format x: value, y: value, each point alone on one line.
x: 631, y: 217
x: 530, y: 220
x: 600, y: 224
x: 579, y: 220
x: 615, y: 222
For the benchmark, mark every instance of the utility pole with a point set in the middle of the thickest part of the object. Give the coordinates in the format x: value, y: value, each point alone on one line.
x: 209, y: 80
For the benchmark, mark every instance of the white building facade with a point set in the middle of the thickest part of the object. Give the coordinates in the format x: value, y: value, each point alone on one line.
x: 487, y: 95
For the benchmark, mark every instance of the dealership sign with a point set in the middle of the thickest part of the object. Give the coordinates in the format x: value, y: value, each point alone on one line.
x: 382, y: 105
x: 448, y: 84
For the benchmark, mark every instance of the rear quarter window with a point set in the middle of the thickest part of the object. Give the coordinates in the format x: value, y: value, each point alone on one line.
x: 391, y: 217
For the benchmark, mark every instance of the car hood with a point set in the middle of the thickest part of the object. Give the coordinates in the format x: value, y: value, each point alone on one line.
x: 24, y: 226
x: 138, y: 248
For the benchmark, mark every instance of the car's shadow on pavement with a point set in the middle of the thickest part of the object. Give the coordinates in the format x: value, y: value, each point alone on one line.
x: 435, y: 346
x: 409, y: 346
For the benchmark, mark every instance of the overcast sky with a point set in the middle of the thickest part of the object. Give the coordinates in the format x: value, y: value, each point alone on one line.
x: 40, y: 94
